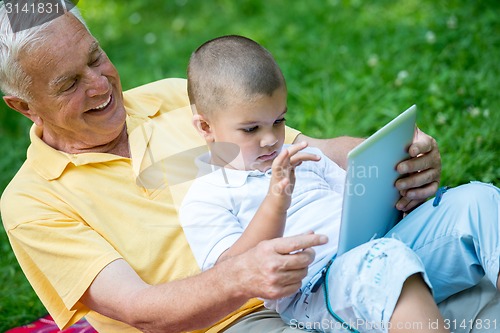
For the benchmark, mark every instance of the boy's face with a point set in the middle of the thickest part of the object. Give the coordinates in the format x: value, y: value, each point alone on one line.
x: 256, y: 126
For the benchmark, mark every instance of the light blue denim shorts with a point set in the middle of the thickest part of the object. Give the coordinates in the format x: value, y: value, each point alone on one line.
x: 453, y: 245
x: 363, y: 287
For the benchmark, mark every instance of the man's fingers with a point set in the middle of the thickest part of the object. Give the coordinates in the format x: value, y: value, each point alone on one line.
x: 422, y: 162
x: 422, y: 172
x: 422, y: 192
x: 279, y: 290
x: 297, y: 260
x: 286, y: 264
x: 418, y: 179
x: 292, y: 277
x: 425, y: 155
x: 414, y: 197
x: 297, y: 243
x: 405, y: 204
x: 422, y: 143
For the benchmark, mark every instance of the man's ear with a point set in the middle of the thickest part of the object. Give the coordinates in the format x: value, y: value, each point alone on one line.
x: 21, y: 106
x: 202, y: 125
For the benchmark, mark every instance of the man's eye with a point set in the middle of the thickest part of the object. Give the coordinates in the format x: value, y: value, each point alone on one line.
x: 96, y: 62
x: 250, y: 129
x: 69, y: 86
x: 279, y: 121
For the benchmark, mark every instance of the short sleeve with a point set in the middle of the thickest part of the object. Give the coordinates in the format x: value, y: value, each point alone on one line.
x: 208, y: 223
x: 334, y: 174
x: 330, y: 171
x: 290, y: 134
x: 59, y: 255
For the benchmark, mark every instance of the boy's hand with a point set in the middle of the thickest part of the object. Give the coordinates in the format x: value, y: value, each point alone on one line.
x: 283, y: 173
x: 270, y: 219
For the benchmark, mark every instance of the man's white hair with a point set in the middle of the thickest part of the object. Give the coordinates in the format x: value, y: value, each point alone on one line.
x: 14, y: 80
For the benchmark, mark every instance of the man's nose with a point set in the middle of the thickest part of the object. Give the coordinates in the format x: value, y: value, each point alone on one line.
x: 98, y: 84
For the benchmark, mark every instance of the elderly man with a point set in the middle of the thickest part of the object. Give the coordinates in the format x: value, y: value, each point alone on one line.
x: 96, y: 231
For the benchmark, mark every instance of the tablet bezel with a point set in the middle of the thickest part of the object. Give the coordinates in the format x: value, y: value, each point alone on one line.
x: 368, y: 208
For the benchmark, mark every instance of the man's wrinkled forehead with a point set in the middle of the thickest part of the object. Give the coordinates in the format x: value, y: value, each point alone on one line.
x: 61, y: 31
x: 63, y: 42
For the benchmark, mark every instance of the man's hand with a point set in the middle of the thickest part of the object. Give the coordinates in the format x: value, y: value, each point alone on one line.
x: 422, y: 172
x: 275, y: 268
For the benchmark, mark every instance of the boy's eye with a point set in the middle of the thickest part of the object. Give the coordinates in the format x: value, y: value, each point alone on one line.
x: 279, y: 121
x: 250, y: 129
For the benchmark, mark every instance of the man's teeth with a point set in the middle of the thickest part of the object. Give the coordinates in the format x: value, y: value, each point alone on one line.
x: 103, y: 105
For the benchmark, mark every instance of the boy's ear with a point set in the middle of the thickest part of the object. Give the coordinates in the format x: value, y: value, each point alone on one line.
x: 202, y: 125
x: 21, y: 106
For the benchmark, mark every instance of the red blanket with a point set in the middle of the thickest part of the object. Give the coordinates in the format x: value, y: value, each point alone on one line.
x: 47, y: 325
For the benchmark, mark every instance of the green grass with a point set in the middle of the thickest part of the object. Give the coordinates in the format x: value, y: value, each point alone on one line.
x: 350, y: 67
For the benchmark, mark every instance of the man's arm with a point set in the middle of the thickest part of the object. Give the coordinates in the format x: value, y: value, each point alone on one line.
x: 335, y: 148
x: 267, y: 271
x: 421, y: 172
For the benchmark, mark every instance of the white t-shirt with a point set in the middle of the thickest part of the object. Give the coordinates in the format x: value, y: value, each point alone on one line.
x: 221, y: 203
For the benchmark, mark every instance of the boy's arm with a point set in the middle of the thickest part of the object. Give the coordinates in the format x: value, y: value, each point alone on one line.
x: 269, y: 220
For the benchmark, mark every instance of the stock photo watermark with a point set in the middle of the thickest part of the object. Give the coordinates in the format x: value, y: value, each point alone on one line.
x: 359, y: 324
x: 27, y: 14
x: 360, y: 172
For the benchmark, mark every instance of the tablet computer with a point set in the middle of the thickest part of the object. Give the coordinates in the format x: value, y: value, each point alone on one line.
x: 370, y: 196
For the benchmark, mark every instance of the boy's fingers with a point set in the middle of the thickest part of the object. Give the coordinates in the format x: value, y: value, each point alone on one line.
x: 290, y: 152
x: 294, y: 149
x: 302, y: 157
x: 281, y: 159
x: 284, y: 164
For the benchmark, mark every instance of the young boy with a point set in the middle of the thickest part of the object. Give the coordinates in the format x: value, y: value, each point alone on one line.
x: 255, y: 188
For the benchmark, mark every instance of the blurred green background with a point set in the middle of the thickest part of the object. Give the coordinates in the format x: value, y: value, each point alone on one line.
x: 350, y: 67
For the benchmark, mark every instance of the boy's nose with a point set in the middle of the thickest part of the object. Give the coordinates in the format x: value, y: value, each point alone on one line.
x: 268, y: 140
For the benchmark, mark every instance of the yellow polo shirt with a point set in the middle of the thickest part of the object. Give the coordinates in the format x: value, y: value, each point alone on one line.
x: 67, y: 216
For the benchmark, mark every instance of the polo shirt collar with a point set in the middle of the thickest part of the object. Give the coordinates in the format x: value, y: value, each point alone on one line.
x: 50, y: 163
x: 140, y: 109
x: 224, y: 177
